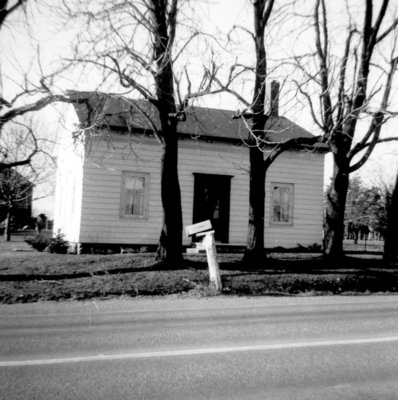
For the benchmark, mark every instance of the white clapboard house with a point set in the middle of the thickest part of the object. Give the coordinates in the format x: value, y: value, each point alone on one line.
x: 108, y: 179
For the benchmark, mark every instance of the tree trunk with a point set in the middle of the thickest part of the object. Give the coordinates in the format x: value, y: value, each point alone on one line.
x: 7, y: 230
x: 170, y: 242
x: 391, y: 235
x: 255, y: 253
x: 335, y: 209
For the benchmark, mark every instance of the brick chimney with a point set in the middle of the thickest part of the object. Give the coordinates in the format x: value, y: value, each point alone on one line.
x: 271, y: 103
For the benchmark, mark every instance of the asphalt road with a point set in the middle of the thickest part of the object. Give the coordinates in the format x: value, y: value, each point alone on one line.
x: 218, y: 348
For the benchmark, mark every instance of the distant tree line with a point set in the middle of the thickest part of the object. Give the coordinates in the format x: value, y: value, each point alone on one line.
x: 366, y: 211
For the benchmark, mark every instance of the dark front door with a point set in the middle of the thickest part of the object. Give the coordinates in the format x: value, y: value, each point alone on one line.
x: 211, y: 201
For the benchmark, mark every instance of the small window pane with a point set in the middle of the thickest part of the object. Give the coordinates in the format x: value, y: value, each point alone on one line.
x: 277, y: 213
x: 285, y: 213
x: 282, y: 197
x: 277, y: 195
x: 134, y: 195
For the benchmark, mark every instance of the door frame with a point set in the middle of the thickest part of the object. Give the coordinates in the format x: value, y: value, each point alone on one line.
x: 214, y: 181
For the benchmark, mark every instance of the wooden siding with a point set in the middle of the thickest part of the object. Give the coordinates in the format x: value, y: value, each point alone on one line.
x: 102, y: 187
x: 304, y: 170
x: 100, y: 214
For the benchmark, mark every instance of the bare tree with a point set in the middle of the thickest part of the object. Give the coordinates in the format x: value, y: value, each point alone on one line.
x: 134, y: 46
x: 17, y: 183
x: 25, y: 94
x: 263, y: 150
x: 255, y: 240
x: 350, y: 87
x: 11, y: 114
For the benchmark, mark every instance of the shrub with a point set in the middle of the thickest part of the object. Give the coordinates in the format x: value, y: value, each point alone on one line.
x: 42, y: 242
x: 58, y: 245
x: 39, y: 242
x: 312, y: 248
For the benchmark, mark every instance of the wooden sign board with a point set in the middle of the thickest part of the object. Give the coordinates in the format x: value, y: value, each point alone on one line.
x: 199, y: 227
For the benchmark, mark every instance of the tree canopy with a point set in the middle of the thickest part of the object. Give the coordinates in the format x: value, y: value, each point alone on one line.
x: 366, y: 208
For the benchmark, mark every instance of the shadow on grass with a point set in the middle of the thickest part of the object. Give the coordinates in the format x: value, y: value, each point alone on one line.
x: 229, y: 263
x: 77, y: 275
x: 140, y: 276
x: 293, y: 284
x: 136, y: 267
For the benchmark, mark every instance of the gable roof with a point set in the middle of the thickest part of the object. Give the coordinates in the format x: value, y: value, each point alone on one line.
x: 122, y: 114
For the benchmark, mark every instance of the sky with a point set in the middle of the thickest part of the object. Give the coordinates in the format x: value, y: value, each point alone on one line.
x: 45, y: 38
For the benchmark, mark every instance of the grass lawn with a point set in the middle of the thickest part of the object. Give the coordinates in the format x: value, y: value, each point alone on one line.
x: 27, y: 275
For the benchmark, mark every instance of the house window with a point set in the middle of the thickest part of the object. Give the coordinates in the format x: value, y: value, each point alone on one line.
x: 134, y: 195
x: 282, y: 203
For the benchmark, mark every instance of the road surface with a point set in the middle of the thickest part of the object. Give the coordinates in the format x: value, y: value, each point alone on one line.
x: 217, y: 348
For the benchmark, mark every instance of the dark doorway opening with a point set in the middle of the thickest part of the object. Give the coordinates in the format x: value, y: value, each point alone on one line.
x: 212, y: 201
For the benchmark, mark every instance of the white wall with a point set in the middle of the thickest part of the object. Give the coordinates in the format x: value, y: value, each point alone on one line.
x: 102, y: 185
x: 68, y: 190
x: 105, y: 162
x: 305, y: 170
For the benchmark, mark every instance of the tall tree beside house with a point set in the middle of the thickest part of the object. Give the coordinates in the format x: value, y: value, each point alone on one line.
x: 163, y: 15
x: 135, y: 46
x: 353, y: 83
x: 265, y: 103
x: 255, y: 240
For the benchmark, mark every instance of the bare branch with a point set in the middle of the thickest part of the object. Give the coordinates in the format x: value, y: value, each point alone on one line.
x: 250, y: 33
x: 125, y: 79
x: 342, y: 78
x: 387, y: 31
x: 322, y: 55
x: 290, y: 144
x: 267, y: 11
x: 379, y: 20
x: 186, y: 44
x: 24, y: 159
x: 38, y: 105
x: 12, y: 164
x: 172, y: 22
x: 370, y: 147
x: 227, y: 89
x: 149, y: 120
x: 5, y: 12
x: 377, y: 120
x: 309, y: 100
